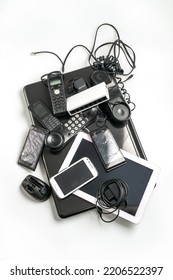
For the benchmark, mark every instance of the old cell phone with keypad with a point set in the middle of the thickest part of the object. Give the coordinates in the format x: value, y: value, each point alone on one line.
x: 42, y: 113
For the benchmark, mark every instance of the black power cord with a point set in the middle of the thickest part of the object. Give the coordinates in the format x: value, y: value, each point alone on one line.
x: 120, y: 84
x: 110, y: 63
x: 48, y: 52
x: 112, y: 196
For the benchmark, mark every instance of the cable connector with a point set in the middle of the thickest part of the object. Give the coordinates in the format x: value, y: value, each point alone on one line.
x: 33, y: 53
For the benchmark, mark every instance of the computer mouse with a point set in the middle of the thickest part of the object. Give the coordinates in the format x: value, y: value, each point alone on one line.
x: 36, y: 188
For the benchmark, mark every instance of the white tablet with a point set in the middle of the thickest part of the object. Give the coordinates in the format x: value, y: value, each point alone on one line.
x: 140, y: 175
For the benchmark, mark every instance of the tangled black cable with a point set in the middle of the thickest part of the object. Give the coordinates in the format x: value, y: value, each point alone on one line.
x: 120, y: 84
x: 109, y: 63
x: 112, y: 196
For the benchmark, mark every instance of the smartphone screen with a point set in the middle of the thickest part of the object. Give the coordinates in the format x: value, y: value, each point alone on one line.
x: 75, y: 176
x: 32, y: 147
x: 107, y: 148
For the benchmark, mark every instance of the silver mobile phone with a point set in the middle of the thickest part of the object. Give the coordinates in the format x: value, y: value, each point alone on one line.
x: 73, y: 177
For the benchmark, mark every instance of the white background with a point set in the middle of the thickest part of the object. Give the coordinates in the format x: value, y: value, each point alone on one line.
x: 30, y: 230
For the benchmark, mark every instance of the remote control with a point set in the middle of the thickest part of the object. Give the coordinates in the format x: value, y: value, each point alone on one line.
x: 57, y: 93
x: 41, y: 112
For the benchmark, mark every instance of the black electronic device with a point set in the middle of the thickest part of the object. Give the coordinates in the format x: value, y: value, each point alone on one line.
x: 107, y: 148
x: 36, y: 188
x: 57, y: 93
x: 116, y: 108
x: 56, y: 140
x: 100, y: 76
x: 75, y: 85
x: 79, y: 85
x: 32, y: 147
x: 41, y: 112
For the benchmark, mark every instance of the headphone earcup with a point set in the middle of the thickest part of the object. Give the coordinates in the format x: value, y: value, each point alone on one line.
x: 121, y: 111
x: 54, y: 141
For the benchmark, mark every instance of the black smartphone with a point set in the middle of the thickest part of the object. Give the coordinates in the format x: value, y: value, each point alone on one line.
x: 32, y: 147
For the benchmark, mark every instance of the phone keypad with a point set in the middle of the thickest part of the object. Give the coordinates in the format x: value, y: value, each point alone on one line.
x: 74, y: 124
x: 71, y: 126
x: 58, y: 102
x: 51, y: 123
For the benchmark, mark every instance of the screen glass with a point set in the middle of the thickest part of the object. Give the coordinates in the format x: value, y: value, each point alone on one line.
x: 73, y: 177
x: 55, y: 82
x: 32, y: 148
x: 40, y: 110
x: 106, y: 146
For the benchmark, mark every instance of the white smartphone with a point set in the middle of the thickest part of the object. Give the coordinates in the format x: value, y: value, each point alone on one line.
x: 73, y: 177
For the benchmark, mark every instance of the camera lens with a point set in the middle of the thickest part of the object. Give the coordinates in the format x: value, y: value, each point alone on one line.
x: 54, y: 141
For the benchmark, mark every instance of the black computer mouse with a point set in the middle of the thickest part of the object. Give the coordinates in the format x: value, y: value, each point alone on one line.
x: 36, y: 188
